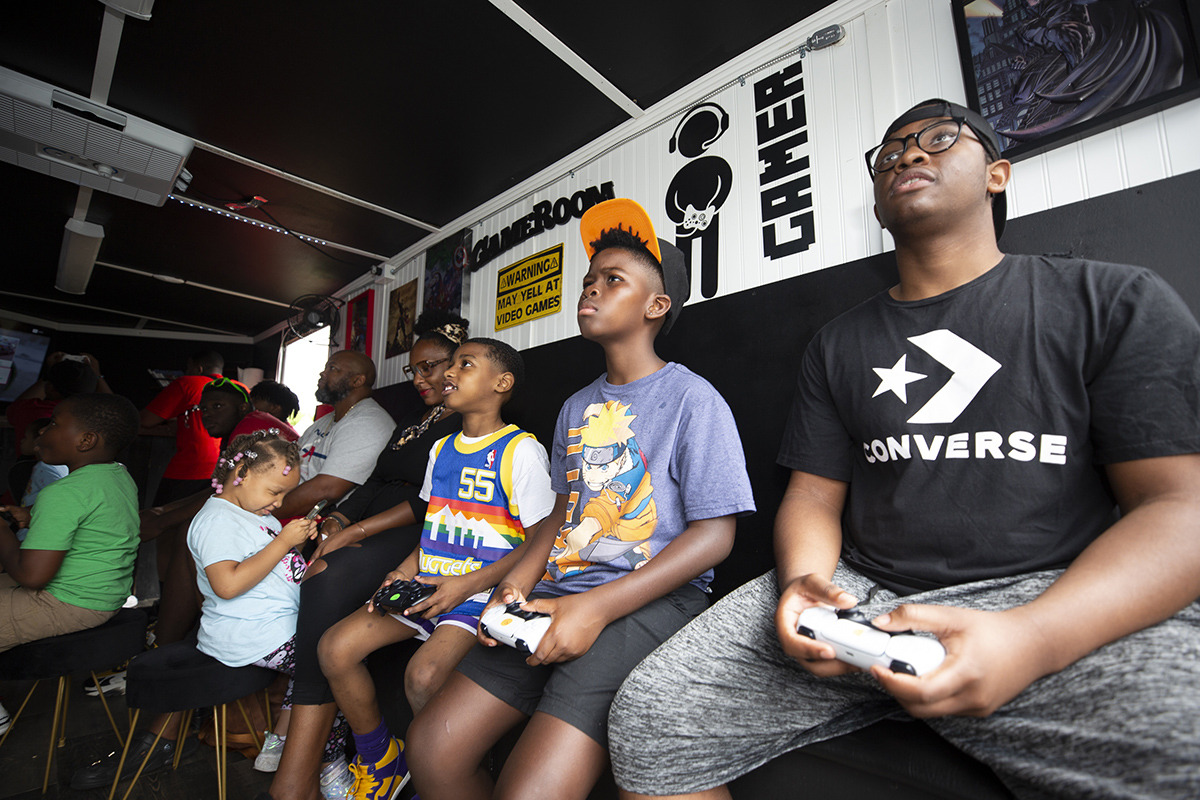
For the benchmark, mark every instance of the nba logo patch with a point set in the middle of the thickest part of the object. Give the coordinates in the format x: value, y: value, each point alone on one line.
x: 491, y: 458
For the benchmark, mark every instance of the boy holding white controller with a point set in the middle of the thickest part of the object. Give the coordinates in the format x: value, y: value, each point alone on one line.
x: 487, y: 489
x: 649, y: 472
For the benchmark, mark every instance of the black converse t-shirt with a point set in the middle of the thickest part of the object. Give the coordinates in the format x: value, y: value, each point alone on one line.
x: 973, y: 426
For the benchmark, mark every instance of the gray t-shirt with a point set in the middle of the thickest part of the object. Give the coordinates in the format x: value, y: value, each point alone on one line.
x: 347, y: 448
x: 638, y: 462
x: 972, y: 426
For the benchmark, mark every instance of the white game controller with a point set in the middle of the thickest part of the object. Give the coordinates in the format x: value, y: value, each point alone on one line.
x: 856, y: 641
x: 515, y: 627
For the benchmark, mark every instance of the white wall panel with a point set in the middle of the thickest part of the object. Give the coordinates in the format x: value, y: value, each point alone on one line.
x: 390, y: 370
x: 896, y: 53
x: 1180, y: 126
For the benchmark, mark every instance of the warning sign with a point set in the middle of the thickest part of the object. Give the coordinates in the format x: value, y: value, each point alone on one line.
x: 529, y: 289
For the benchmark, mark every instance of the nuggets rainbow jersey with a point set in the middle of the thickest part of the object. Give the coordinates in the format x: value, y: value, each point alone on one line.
x: 472, y: 519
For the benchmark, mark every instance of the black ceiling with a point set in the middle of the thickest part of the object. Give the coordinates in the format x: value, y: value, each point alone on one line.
x: 426, y: 109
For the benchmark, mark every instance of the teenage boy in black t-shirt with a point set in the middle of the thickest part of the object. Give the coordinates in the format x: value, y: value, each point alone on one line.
x: 960, y: 442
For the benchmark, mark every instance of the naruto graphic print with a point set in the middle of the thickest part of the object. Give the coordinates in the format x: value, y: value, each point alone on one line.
x: 611, y: 516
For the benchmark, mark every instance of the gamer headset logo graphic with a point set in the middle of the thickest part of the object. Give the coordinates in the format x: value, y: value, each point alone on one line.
x: 699, y: 189
x: 970, y: 368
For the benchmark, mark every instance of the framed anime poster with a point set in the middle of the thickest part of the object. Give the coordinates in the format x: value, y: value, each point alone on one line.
x: 360, y: 322
x: 445, y: 264
x: 1047, y: 72
x: 402, y: 313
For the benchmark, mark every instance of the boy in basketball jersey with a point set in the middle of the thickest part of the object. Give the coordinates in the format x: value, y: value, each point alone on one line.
x: 486, y: 488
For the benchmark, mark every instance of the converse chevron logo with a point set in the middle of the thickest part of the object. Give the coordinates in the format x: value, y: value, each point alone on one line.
x: 969, y: 366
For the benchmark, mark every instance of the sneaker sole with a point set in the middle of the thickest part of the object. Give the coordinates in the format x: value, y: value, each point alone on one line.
x: 399, y: 786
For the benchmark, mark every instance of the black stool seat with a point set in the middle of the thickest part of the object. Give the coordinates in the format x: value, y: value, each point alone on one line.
x: 178, y: 677
x: 99, y: 648
x: 104, y: 647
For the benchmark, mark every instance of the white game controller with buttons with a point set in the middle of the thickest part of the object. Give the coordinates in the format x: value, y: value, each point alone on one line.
x: 856, y: 641
x: 514, y: 626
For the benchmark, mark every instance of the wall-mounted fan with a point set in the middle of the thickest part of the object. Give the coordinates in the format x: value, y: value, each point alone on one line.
x: 311, y: 312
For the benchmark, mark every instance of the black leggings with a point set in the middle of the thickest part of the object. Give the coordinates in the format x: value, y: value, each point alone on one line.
x: 350, y: 578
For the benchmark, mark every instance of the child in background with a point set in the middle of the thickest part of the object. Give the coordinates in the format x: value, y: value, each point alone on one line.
x: 248, y: 567
x: 275, y: 399
x: 42, y: 474
x: 649, y: 473
x: 487, y: 489
x: 227, y: 412
x: 37, y: 473
x: 75, y: 568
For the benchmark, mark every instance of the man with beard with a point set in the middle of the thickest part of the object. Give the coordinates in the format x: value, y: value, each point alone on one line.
x: 338, y: 451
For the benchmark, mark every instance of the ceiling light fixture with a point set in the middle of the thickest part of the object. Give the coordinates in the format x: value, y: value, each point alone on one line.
x: 215, y: 210
x: 81, y: 245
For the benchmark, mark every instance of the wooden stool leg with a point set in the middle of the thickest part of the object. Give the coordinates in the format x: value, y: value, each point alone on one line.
x: 142, y: 766
x: 185, y: 722
x: 249, y: 725
x: 62, y: 725
x: 58, y: 709
x: 108, y: 712
x: 224, y: 749
x: 17, y: 715
x: 124, y: 752
x: 220, y: 747
x: 267, y: 707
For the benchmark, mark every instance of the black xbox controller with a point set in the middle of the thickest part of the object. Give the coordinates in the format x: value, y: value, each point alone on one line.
x: 399, y: 595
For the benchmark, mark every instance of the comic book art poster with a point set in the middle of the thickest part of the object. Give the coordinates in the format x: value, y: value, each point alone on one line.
x: 360, y: 322
x: 402, y: 313
x: 445, y: 264
x: 1051, y: 71
x: 614, y: 515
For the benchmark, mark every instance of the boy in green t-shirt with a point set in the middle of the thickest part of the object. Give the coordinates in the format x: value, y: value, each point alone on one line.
x: 75, y: 567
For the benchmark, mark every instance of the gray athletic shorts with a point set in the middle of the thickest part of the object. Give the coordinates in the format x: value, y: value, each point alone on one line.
x: 579, y: 692
x: 721, y: 698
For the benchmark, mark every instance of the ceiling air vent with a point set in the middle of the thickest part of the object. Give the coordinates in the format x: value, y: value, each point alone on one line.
x: 70, y: 137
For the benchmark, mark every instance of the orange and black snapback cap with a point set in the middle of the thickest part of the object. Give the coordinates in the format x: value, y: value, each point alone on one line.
x: 628, y: 215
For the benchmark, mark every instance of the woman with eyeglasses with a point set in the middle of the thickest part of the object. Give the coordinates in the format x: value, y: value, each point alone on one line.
x: 361, y: 540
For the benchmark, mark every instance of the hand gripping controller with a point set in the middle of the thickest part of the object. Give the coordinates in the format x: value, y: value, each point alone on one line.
x: 856, y: 641
x: 515, y: 627
x: 399, y: 595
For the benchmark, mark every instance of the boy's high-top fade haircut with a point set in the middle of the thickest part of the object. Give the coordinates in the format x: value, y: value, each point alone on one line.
x: 113, y: 417
x: 505, y: 357
x: 253, y: 452
x: 624, y: 223
x: 628, y: 240
x: 444, y: 328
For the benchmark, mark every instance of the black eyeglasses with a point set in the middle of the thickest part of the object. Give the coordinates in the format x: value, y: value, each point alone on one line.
x: 422, y: 368
x: 937, y: 138
x: 226, y: 383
